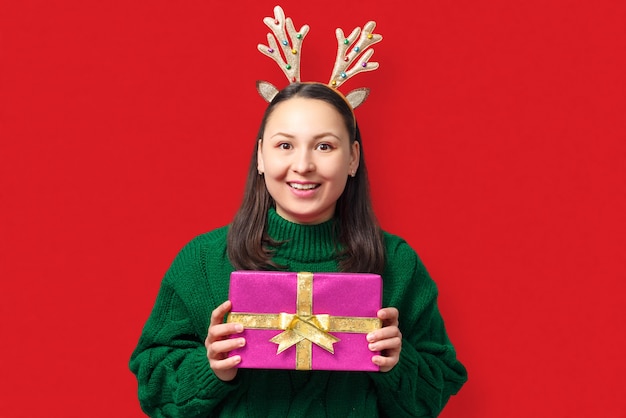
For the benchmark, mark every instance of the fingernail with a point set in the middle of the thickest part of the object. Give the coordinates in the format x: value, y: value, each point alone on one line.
x: 372, y: 347
x: 370, y: 337
x: 238, y: 327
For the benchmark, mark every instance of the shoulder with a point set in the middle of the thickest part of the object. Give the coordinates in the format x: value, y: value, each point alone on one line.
x: 203, y: 257
x: 396, y: 247
x: 401, y: 258
x: 199, y: 275
x: 207, y: 240
x: 202, y: 247
x: 405, y: 277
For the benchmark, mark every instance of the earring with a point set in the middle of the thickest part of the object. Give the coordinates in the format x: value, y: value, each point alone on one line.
x: 353, y: 173
x: 260, y: 173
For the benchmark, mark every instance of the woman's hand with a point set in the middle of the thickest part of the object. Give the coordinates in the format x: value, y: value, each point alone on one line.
x: 218, y: 344
x: 387, y: 340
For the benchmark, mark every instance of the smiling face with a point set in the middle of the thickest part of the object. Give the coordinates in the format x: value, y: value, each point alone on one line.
x: 306, y: 157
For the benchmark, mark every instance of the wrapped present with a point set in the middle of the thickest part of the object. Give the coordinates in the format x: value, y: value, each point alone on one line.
x: 305, y: 321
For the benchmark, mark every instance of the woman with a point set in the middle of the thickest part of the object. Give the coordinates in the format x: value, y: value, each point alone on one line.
x: 306, y: 208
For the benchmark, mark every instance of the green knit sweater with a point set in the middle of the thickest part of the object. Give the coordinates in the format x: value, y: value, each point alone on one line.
x: 173, y: 373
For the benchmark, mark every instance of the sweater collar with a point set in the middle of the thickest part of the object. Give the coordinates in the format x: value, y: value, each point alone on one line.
x: 302, y: 242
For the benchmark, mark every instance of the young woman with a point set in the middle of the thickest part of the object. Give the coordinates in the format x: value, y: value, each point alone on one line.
x: 306, y: 208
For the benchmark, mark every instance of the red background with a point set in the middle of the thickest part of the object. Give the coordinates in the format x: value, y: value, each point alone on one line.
x: 495, y: 138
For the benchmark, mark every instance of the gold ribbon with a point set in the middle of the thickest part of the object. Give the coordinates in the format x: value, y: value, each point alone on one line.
x: 302, y: 329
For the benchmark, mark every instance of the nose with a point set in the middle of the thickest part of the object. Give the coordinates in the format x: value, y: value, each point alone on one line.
x: 303, y: 162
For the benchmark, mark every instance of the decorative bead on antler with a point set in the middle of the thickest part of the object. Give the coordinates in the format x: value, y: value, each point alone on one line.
x: 347, y: 64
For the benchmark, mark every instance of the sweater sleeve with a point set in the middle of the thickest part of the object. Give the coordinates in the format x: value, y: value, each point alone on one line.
x: 170, y: 360
x: 428, y: 372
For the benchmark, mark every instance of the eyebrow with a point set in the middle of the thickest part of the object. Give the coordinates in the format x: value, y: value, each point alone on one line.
x: 318, y: 136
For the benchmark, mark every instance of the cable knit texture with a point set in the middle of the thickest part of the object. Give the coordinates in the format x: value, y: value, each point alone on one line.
x: 173, y: 372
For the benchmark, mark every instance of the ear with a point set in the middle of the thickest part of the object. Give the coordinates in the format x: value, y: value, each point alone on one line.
x: 357, y: 96
x: 266, y: 90
x: 259, y: 157
x: 355, y: 156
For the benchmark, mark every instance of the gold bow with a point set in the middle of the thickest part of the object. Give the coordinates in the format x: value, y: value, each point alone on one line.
x: 302, y: 329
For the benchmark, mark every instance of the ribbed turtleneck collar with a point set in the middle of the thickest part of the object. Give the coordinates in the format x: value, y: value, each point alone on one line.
x: 303, y: 243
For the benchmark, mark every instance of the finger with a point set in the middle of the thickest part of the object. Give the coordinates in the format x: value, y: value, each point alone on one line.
x: 385, y: 363
x: 389, y: 315
x: 388, y: 344
x: 384, y: 333
x: 220, y: 349
x: 221, y: 331
x: 225, y: 364
x: 217, y: 316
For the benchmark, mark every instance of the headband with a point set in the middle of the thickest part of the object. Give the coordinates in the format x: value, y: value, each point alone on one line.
x: 352, y: 55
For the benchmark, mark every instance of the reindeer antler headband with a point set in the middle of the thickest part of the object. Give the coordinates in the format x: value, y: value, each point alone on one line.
x: 352, y: 55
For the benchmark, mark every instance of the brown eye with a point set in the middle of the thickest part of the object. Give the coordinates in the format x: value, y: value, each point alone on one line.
x: 284, y: 145
x: 324, y: 147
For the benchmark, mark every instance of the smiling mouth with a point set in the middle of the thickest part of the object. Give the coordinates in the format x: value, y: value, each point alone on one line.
x: 308, y: 186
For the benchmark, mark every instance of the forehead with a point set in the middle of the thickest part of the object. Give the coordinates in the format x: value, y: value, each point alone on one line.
x: 305, y: 115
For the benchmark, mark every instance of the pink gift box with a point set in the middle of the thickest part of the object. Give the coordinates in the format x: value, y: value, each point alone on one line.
x: 304, y: 307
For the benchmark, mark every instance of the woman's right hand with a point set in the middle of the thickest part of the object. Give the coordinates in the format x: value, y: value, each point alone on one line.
x: 218, y: 344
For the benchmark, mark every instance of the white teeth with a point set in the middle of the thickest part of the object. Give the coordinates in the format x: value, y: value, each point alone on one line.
x: 299, y: 186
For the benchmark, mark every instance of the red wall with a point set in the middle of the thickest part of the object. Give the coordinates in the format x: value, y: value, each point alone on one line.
x: 495, y: 137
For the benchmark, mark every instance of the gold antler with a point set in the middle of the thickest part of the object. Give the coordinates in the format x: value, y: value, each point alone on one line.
x: 290, y: 42
x: 341, y: 73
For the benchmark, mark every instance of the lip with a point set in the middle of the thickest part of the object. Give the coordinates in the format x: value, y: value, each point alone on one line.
x: 303, y: 192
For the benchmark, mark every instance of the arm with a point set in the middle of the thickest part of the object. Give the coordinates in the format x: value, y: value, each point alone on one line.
x: 170, y: 360
x: 427, y: 372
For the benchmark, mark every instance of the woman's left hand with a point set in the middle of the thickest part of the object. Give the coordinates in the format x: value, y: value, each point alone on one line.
x: 387, y: 340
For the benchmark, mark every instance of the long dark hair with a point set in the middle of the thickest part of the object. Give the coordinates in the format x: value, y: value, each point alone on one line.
x: 360, y: 238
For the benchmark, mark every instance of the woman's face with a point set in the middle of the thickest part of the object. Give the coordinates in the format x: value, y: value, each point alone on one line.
x: 306, y: 156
